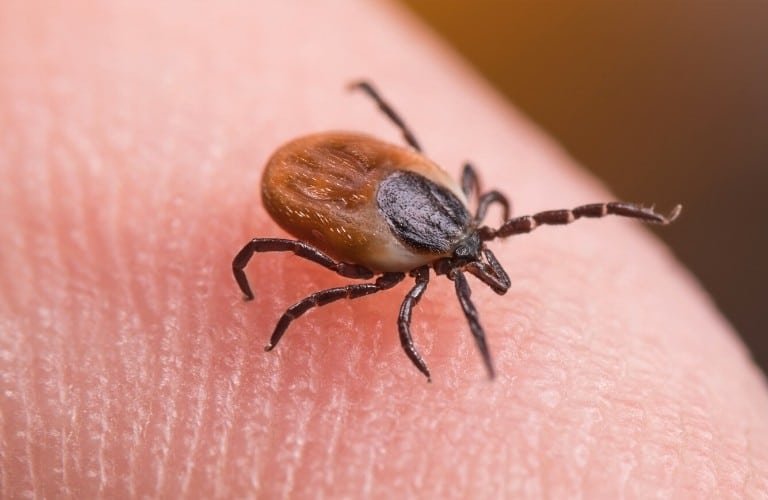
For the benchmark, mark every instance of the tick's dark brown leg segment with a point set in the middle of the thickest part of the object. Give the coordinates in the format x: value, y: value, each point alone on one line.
x: 404, y: 319
x: 488, y: 199
x: 389, y: 111
x: 324, y: 297
x: 528, y: 223
x: 299, y: 248
x: 463, y: 292
x: 470, y: 184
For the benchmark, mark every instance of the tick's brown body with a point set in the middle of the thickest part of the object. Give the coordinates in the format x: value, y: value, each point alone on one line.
x: 362, y: 207
x: 322, y: 189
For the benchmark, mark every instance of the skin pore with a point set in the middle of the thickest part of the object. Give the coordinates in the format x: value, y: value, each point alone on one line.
x: 132, y: 138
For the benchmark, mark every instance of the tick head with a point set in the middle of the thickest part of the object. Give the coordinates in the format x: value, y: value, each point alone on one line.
x: 468, y: 249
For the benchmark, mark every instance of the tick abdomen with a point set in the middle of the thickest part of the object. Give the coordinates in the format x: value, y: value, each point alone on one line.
x: 326, y: 189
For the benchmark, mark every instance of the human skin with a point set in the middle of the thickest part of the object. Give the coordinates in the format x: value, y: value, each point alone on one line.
x: 132, y: 138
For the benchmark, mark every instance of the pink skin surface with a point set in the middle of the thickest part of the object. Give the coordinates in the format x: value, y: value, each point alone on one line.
x: 132, y: 137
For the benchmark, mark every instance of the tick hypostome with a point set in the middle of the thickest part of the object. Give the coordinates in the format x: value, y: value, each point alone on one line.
x: 363, y: 208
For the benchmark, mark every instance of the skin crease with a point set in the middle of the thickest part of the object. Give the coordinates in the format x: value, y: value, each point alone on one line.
x: 132, y: 138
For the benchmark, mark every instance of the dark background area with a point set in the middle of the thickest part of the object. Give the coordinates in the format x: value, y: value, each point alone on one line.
x: 666, y: 101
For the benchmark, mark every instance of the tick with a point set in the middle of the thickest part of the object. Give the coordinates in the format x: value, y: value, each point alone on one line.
x: 364, y: 208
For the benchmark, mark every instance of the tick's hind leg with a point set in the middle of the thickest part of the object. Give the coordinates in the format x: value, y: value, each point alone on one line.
x: 324, y: 297
x: 389, y: 111
x: 299, y: 248
x: 404, y: 319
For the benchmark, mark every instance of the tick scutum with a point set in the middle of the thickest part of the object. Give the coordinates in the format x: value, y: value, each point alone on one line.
x: 422, y: 214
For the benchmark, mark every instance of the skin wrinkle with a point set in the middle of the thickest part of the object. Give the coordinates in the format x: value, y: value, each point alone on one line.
x: 173, y: 382
x: 229, y: 412
x: 177, y: 397
x: 70, y: 154
x: 196, y: 425
x: 204, y: 366
x: 315, y: 449
x: 115, y: 269
x: 27, y: 410
x: 167, y: 389
x: 232, y: 438
x: 4, y: 479
x: 198, y: 354
x: 144, y: 366
x: 296, y: 442
x: 12, y: 413
x: 133, y: 373
x: 170, y: 375
x: 131, y: 358
x: 34, y: 390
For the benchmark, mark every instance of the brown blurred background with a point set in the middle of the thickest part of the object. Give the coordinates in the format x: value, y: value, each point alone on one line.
x: 666, y: 101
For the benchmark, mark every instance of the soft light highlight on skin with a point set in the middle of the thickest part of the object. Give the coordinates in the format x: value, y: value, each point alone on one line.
x: 131, y: 141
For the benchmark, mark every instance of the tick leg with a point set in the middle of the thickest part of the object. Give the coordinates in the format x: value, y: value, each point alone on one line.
x: 299, y: 248
x: 389, y: 111
x: 528, y: 223
x: 488, y: 199
x: 463, y: 292
x: 470, y: 184
x: 404, y: 320
x: 324, y: 297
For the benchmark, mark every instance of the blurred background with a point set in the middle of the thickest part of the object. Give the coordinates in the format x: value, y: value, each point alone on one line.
x: 666, y: 101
